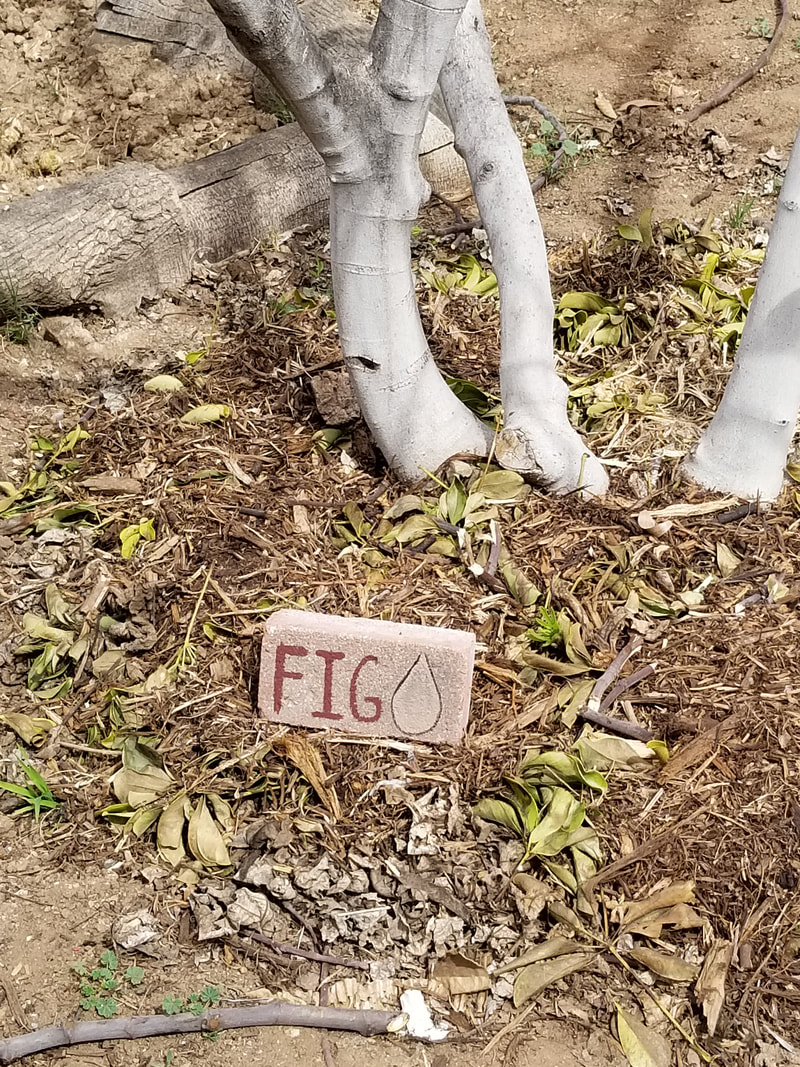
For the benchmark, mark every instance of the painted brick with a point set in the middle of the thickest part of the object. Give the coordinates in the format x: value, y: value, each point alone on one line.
x: 362, y: 676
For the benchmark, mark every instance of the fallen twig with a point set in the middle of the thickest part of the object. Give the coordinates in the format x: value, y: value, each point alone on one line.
x: 271, y: 1013
x: 305, y: 953
x: 594, y: 709
x: 782, y: 11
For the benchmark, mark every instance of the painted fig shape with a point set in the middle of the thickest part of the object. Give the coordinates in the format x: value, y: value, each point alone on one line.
x: 417, y: 702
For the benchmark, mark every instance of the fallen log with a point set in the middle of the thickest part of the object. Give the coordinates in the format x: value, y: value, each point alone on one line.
x: 130, y: 233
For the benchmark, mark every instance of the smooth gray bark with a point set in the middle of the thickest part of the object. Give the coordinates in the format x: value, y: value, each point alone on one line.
x: 744, y: 448
x: 364, y: 111
x: 537, y: 436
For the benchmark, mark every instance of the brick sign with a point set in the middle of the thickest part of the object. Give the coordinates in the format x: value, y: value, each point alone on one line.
x: 360, y: 676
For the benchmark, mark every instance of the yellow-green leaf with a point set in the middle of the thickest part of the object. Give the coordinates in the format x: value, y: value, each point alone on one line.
x: 642, y: 1046
x: 163, y: 383
x: 205, y: 413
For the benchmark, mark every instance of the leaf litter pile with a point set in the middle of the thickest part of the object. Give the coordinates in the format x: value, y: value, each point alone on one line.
x: 616, y: 841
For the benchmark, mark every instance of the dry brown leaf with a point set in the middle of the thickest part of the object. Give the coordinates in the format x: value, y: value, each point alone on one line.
x: 300, y: 752
x: 675, y: 893
x: 544, y: 950
x: 604, y: 106
x: 533, y: 979
x: 664, y: 965
x: 727, y: 561
x: 456, y: 974
x: 709, y: 989
x: 689, y: 511
x: 679, y: 917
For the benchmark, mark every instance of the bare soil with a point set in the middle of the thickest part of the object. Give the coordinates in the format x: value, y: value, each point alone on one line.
x: 257, y: 499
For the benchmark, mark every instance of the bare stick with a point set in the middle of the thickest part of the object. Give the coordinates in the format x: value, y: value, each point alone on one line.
x: 619, y: 726
x: 305, y: 953
x: 595, y: 705
x: 782, y: 11
x: 271, y: 1013
x: 627, y: 683
x: 611, y: 673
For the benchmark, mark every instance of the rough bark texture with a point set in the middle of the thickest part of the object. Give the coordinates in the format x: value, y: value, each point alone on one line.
x: 180, y: 31
x: 743, y: 450
x: 135, y: 230
x: 537, y: 436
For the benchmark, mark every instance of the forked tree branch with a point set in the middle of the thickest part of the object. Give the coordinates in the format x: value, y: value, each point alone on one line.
x: 273, y: 36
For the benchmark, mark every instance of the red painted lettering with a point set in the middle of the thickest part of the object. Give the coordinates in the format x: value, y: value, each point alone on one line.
x: 375, y: 701
x: 327, y: 685
x: 281, y: 652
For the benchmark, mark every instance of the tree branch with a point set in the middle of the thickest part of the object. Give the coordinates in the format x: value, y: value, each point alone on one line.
x: 275, y: 39
x: 271, y: 1013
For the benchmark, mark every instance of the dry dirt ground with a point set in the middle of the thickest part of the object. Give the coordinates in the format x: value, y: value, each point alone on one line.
x: 248, y: 515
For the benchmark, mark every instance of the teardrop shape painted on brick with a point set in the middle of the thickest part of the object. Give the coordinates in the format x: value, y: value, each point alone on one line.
x: 417, y: 702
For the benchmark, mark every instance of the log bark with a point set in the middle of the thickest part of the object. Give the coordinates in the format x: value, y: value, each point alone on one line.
x: 134, y: 231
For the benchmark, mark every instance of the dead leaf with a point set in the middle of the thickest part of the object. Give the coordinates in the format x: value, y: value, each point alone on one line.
x: 204, y: 838
x: 690, y: 511
x: 709, y: 989
x: 604, y: 106
x: 456, y: 974
x: 300, y: 752
x: 675, y: 893
x: 727, y: 561
x: 665, y: 965
x: 111, y: 483
x: 544, y: 950
x: 533, y: 979
x: 642, y: 1046
x: 32, y: 730
x: 642, y: 102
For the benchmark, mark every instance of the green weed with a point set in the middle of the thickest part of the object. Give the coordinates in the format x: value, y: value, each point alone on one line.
x: 36, y: 796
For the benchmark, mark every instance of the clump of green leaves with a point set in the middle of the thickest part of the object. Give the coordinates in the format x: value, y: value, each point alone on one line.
x: 36, y: 796
x: 98, y: 984
x: 543, y: 805
x: 464, y: 274
x: 739, y: 211
x: 130, y: 536
x: 549, y: 142
x: 57, y: 643
x: 546, y: 631
x: 196, y: 1003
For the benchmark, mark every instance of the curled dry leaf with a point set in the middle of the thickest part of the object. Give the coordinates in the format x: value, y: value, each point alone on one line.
x: 605, y: 107
x: 536, y: 977
x: 642, y: 1046
x: 709, y: 989
x: 204, y: 838
x: 456, y: 974
x: 300, y: 752
x: 544, y: 950
x: 169, y: 835
x: 663, y: 965
x: 727, y: 561
x: 31, y: 730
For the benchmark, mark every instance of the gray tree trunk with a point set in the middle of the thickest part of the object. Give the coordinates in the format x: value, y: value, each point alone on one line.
x: 135, y: 230
x: 743, y: 450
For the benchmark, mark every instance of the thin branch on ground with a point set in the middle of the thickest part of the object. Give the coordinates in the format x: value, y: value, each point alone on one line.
x: 782, y: 11
x: 272, y: 1013
x: 304, y: 953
